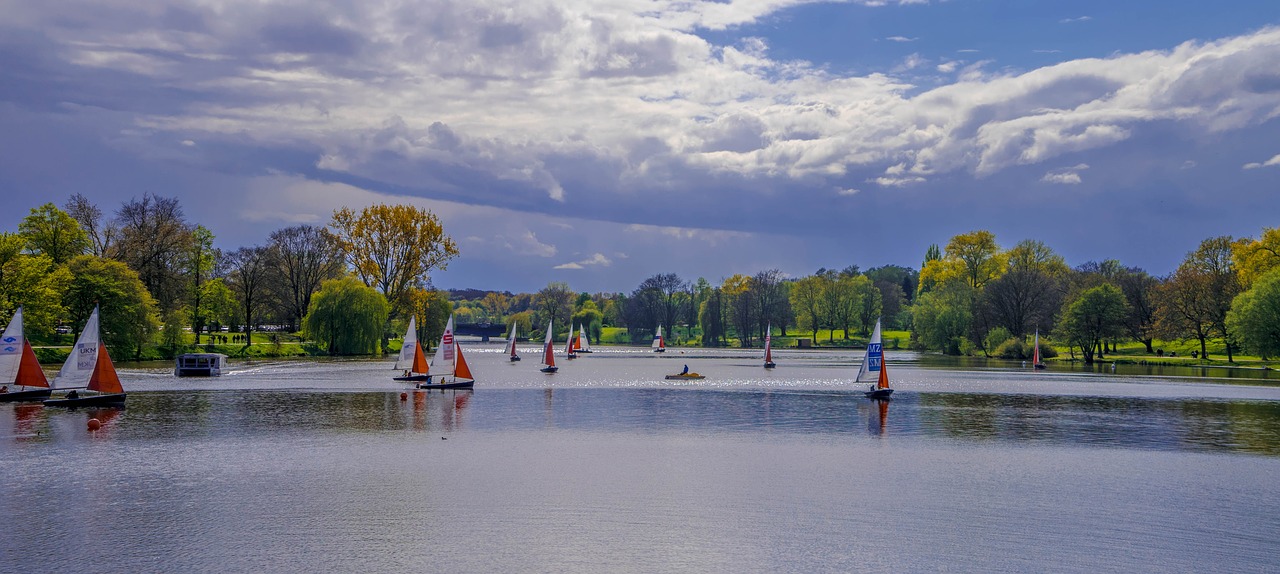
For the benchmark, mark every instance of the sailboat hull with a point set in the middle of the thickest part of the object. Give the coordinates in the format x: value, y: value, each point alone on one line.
x: 549, y: 369
x: 514, y: 359
x: 879, y: 394
x: 19, y: 396
x: 89, y: 401
x: 449, y: 385
x: 1041, y: 366
x: 413, y: 378
x: 770, y: 365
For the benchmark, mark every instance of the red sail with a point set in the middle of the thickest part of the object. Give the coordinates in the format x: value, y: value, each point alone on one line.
x: 104, y: 378
x: 460, y: 368
x: 29, y: 372
x: 419, y: 360
x: 548, y: 357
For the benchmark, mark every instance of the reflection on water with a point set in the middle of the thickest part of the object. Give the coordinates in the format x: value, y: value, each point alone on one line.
x: 1121, y: 422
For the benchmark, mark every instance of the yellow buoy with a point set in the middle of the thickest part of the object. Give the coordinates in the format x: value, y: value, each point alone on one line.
x: 94, y: 424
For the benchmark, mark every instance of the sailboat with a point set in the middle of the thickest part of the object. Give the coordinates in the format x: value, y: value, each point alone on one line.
x: 768, y: 348
x: 548, y: 354
x: 584, y: 342
x: 449, y: 356
x: 658, y: 345
x: 411, y: 359
x: 88, y: 367
x: 569, y: 348
x: 19, y: 367
x: 1035, y: 355
x: 511, y: 343
x: 873, y: 361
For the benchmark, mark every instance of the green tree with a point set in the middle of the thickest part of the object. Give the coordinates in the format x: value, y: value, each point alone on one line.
x: 807, y: 296
x: 1255, y: 315
x: 199, y: 262
x: 219, y: 303
x: 941, y: 318
x: 347, y: 317
x: 50, y: 231
x: 554, y: 303
x: 432, y: 308
x: 588, y: 314
x: 1098, y: 314
x: 978, y: 252
x: 32, y: 282
x: 129, y: 316
x: 870, y: 303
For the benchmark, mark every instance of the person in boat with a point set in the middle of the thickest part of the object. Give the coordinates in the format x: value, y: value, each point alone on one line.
x: 73, y: 395
x: 685, y: 371
x: 4, y: 389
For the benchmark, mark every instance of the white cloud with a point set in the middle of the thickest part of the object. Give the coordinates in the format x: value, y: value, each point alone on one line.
x: 901, y: 39
x: 948, y: 67
x: 1075, y: 20
x: 596, y: 259
x: 847, y: 191
x: 1275, y: 160
x: 1046, y: 51
x: 1065, y: 176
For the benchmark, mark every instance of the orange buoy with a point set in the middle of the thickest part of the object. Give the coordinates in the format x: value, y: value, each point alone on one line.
x: 94, y: 424
x: 404, y: 396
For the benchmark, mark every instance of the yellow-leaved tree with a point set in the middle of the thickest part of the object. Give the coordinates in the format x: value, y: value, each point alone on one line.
x: 393, y: 248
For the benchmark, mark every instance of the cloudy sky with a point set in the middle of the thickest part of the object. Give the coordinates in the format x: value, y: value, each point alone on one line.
x: 600, y: 142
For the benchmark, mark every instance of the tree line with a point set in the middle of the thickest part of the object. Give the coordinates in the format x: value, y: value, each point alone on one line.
x: 351, y: 285
x: 154, y: 274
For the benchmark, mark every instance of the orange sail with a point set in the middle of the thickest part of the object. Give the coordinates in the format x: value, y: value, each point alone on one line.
x: 460, y: 368
x: 104, y: 378
x: 29, y: 372
x: 419, y: 360
x: 883, y: 383
x: 577, y: 344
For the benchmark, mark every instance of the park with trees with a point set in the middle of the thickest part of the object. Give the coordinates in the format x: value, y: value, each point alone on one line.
x: 350, y: 287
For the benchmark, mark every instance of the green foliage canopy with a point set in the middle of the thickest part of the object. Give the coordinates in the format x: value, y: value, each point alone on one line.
x: 347, y: 317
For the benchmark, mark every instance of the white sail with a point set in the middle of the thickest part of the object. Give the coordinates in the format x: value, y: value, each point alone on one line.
x: 657, y: 338
x: 874, y: 356
x: 584, y: 343
x: 444, y: 352
x: 11, y: 349
x: 511, y: 340
x: 405, y: 360
x: 76, y: 371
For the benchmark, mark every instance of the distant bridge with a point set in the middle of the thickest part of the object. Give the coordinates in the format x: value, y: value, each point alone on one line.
x: 482, y: 330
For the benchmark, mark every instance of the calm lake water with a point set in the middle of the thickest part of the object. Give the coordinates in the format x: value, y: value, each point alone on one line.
x: 606, y: 467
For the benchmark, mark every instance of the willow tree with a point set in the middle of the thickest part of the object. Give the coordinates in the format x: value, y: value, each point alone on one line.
x: 347, y: 317
x: 1255, y: 315
x: 393, y: 248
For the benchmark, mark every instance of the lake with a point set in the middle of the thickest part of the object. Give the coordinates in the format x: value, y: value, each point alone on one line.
x: 605, y: 467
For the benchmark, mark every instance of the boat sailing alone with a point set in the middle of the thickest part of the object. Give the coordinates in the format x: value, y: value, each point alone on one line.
x: 88, y: 367
x: 449, y: 356
x: 873, y: 361
x: 411, y: 360
x: 548, y: 353
x: 659, y: 346
x: 19, y: 367
x: 1035, y: 355
x: 511, y: 343
x: 768, y: 348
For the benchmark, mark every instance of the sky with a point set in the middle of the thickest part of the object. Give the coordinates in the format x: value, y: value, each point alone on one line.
x: 602, y: 142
